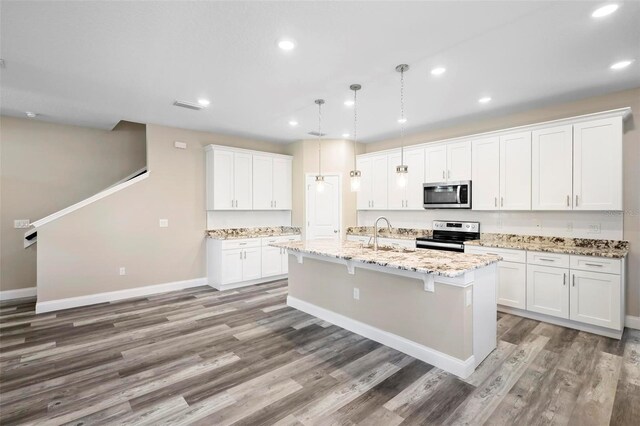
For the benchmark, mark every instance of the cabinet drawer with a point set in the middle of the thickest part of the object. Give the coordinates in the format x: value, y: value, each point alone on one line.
x: 281, y: 239
x: 548, y: 259
x: 596, y: 264
x: 359, y: 238
x: 508, y: 255
x: 397, y: 241
x: 243, y: 243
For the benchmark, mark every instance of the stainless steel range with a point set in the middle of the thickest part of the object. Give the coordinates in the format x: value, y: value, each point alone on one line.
x: 449, y: 235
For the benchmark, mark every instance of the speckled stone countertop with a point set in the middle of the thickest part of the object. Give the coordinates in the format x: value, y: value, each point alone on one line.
x: 443, y: 263
x: 579, y: 246
x: 237, y: 233
x: 397, y: 233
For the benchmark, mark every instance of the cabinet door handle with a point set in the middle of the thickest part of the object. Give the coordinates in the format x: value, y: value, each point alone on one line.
x: 544, y: 259
x: 443, y: 174
x: 594, y: 264
x: 245, y: 254
x: 573, y: 280
x: 501, y: 201
x: 568, y: 202
x: 495, y: 201
x: 448, y: 174
x: 576, y: 200
x: 564, y: 278
x: 240, y: 254
x: 275, y: 203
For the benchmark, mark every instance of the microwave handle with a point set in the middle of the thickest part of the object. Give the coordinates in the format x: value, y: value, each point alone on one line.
x: 458, y: 194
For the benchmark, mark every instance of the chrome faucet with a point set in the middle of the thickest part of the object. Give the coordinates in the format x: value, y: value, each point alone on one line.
x: 375, y: 232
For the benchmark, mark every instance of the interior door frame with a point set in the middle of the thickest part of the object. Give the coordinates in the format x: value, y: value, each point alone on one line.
x: 306, y: 200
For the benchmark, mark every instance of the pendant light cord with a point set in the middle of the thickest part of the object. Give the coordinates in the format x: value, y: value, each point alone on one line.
x: 319, y: 139
x: 402, y: 116
x: 355, y: 128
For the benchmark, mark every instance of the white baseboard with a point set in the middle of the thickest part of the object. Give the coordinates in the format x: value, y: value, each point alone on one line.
x: 223, y: 287
x: 18, y: 293
x: 111, y: 296
x: 607, y: 332
x: 461, y: 368
x: 632, y: 322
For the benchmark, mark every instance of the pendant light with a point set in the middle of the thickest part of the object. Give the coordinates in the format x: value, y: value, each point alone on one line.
x: 319, y: 177
x: 402, y: 170
x: 355, y: 174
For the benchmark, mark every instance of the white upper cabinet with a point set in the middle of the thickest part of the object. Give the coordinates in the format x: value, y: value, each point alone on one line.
x: 435, y: 164
x: 397, y: 196
x: 485, y: 176
x: 271, y: 183
x: 459, y: 161
x: 379, y: 184
x: 364, y: 194
x: 597, y: 165
x: 515, y: 171
x: 551, y: 168
x: 238, y: 179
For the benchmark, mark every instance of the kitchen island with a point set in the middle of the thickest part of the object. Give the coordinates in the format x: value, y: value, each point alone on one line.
x: 437, y: 306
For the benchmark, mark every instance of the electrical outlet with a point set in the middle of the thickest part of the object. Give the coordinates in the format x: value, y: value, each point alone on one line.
x: 356, y: 293
x: 123, y: 271
x: 21, y: 223
x: 164, y: 223
x: 594, y: 228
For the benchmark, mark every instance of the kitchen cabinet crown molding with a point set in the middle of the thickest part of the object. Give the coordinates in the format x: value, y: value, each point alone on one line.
x: 618, y: 112
x: 212, y: 147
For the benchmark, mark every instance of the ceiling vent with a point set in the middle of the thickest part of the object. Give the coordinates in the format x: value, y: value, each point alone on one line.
x: 188, y: 105
x: 314, y: 133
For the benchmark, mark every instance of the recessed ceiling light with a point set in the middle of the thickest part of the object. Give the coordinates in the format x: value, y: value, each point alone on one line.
x: 293, y: 123
x: 345, y: 135
x: 204, y: 102
x: 622, y: 64
x: 31, y: 114
x: 438, y: 71
x: 348, y: 103
x: 604, y: 10
x: 484, y: 100
x: 286, y: 44
x: 402, y: 120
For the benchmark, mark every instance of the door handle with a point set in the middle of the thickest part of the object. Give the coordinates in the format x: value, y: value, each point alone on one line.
x: 495, y: 201
x: 564, y: 278
x: 594, y: 264
x: 240, y: 254
x: 335, y: 231
x: 573, y: 280
x: 275, y: 203
x: 568, y: 202
x: 501, y: 201
x: 547, y: 260
x: 245, y: 254
x: 576, y: 200
x: 448, y: 174
x: 443, y: 174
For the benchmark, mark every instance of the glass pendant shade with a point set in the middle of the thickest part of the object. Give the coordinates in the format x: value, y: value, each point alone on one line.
x: 402, y: 176
x: 355, y: 180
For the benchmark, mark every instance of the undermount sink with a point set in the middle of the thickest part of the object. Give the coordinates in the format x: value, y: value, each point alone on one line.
x: 388, y: 248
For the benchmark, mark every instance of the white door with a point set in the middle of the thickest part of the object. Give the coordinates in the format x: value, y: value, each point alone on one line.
x: 379, y: 184
x: 512, y: 283
x: 223, y: 198
x: 548, y: 290
x: 414, y: 159
x: 271, y: 261
x: 435, y: 164
x: 242, y: 180
x: 251, y: 263
x: 364, y: 195
x: 552, y: 168
x: 281, y: 183
x: 459, y: 161
x: 595, y: 298
x: 597, y: 165
x: 485, y: 176
x: 262, y: 182
x: 515, y: 171
x: 397, y: 196
x: 231, y: 267
x: 323, y: 209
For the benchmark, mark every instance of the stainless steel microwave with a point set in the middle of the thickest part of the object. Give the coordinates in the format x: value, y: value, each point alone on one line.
x: 447, y: 195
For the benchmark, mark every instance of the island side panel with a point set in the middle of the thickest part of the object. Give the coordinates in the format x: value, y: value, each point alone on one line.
x: 395, y: 304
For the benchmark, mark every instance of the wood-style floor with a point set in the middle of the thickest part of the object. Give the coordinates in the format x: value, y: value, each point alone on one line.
x: 200, y: 356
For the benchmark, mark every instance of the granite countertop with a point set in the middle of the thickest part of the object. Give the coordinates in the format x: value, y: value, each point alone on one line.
x: 578, y: 246
x: 238, y: 233
x: 443, y: 263
x: 397, y: 233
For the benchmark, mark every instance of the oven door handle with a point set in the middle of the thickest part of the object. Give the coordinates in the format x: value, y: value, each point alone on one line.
x: 420, y: 244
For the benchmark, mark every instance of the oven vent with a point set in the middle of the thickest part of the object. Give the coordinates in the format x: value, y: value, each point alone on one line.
x: 188, y: 105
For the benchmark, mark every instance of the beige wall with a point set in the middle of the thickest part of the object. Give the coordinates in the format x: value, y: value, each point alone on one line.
x: 631, y: 142
x: 337, y: 157
x: 45, y: 167
x: 81, y: 253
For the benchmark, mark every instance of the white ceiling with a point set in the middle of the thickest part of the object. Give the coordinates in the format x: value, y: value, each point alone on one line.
x: 95, y: 63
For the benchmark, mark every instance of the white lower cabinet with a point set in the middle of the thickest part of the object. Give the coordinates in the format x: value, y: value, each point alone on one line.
x: 511, y: 289
x: 235, y: 263
x: 581, y: 291
x: 548, y: 290
x: 596, y: 299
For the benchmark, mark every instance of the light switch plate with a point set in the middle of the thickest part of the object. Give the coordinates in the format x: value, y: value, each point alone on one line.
x: 356, y: 293
x: 21, y: 223
x: 594, y: 228
x: 164, y: 223
x: 123, y: 271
